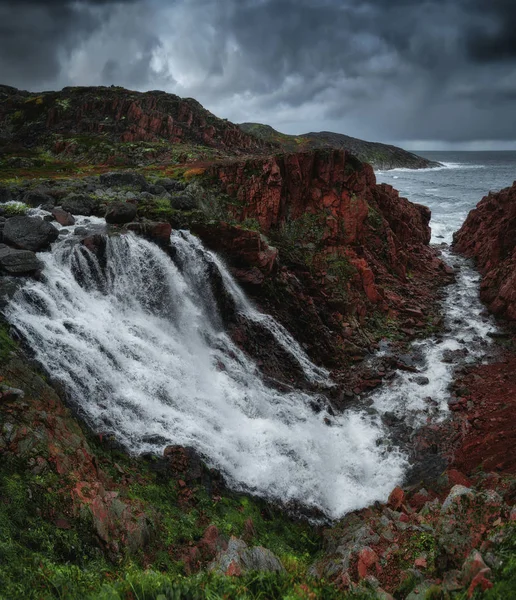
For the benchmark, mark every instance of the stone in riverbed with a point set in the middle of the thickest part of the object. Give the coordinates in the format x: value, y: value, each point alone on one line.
x: 120, y: 212
x: 156, y: 231
x: 63, y: 217
x: 29, y: 233
x: 18, y: 262
x: 79, y: 204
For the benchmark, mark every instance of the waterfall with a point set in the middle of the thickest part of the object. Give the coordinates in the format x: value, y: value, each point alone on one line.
x: 137, y: 340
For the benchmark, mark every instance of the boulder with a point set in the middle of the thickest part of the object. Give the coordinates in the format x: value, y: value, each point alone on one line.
x: 9, y: 394
x: 120, y: 212
x: 29, y: 233
x: 457, y: 493
x: 183, y: 202
x: 239, y: 559
x: 79, y: 204
x: 63, y: 217
x: 123, y: 178
x: 156, y: 232
x: 18, y: 262
x: 8, y: 288
x: 156, y: 190
x: 35, y: 198
x: 472, y: 566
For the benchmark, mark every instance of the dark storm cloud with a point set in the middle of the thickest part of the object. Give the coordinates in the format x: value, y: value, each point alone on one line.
x: 384, y: 69
x: 493, y: 39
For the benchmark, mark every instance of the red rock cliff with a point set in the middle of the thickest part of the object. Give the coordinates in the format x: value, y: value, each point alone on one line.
x: 113, y: 114
x: 360, y: 249
x: 489, y: 236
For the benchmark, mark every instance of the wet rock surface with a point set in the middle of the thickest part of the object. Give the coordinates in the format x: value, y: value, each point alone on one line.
x: 29, y: 233
x: 121, y: 212
x: 18, y: 262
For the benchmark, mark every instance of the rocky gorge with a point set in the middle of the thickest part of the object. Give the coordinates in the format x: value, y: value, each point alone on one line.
x: 318, y: 280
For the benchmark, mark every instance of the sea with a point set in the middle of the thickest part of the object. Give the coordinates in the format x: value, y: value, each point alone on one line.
x: 452, y: 190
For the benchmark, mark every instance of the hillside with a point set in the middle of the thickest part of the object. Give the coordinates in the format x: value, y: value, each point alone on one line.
x: 118, y: 127
x: 380, y: 156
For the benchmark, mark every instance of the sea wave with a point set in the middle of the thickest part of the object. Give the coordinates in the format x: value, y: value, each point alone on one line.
x: 443, y: 167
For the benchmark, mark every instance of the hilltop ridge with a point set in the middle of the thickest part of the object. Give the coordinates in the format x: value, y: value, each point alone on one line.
x: 119, y: 127
x: 380, y: 156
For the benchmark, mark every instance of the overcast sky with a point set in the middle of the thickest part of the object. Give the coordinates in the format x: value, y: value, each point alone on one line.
x: 418, y: 73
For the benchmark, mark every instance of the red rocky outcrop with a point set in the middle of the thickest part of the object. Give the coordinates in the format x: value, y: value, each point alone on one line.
x: 357, y: 248
x: 489, y: 236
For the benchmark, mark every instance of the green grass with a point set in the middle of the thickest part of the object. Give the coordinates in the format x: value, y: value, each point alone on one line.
x: 37, y: 559
x: 504, y: 577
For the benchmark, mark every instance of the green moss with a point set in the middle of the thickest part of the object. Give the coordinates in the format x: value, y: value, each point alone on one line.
x: 300, y: 239
x: 255, y: 586
x: 380, y: 325
x: 15, y: 209
x: 375, y: 219
x: 7, y: 345
x: 252, y: 224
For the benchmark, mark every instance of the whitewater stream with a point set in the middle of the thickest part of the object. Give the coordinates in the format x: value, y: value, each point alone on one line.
x: 139, y: 345
x: 137, y: 339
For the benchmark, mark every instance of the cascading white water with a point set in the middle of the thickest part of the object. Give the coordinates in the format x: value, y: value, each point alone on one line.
x: 466, y: 330
x: 190, y: 248
x: 139, y: 345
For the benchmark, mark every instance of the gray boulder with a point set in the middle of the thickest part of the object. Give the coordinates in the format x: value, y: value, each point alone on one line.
x: 18, y: 262
x: 36, y: 198
x: 79, y: 204
x: 156, y: 190
x: 456, y: 496
x: 120, y: 212
x: 29, y: 233
x: 123, y: 178
x: 239, y: 559
x: 183, y: 202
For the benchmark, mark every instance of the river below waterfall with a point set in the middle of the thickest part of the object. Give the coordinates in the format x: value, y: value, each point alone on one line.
x: 137, y: 338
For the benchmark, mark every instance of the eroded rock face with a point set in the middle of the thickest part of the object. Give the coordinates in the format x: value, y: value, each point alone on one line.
x: 348, y: 248
x: 489, y: 236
